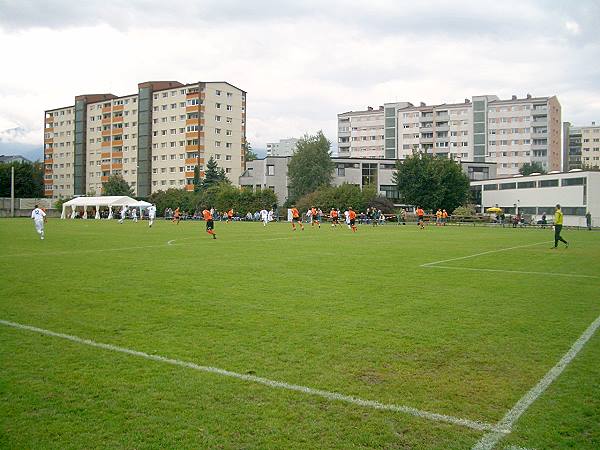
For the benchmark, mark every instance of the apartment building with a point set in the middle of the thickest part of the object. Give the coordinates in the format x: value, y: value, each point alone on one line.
x: 482, y: 129
x: 581, y: 146
x: 285, y: 147
x: 360, y: 133
x: 154, y: 139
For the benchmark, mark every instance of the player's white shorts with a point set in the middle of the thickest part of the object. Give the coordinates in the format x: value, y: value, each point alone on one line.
x: 39, y: 225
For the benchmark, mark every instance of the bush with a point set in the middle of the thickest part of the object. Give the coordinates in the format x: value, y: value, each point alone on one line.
x: 342, y: 197
x: 465, y: 211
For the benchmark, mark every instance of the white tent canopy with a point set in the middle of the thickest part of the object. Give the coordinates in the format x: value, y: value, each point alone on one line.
x: 98, y: 202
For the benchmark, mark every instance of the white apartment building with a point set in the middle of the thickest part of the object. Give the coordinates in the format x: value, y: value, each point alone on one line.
x: 581, y: 146
x: 154, y: 139
x: 360, y: 133
x: 482, y: 129
x: 285, y: 147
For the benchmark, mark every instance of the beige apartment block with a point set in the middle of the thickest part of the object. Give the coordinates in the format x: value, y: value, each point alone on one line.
x: 481, y: 129
x: 360, y: 133
x: 59, y: 162
x: 581, y: 146
x: 154, y: 139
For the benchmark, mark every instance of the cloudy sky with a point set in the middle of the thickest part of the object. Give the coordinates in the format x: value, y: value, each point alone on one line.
x: 301, y: 62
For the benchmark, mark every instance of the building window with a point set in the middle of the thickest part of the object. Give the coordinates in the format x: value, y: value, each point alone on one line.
x: 270, y: 169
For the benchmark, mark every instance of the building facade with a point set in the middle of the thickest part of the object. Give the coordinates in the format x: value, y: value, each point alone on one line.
x: 285, y: 147
x: 482, y: 129
x: 581, y: 146
x: 272, y: 173
x: 576, y: 191
x: 154, y: 138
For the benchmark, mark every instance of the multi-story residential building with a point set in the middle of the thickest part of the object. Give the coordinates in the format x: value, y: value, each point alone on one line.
x: 285, y: 147
x: 361, y: 133
x: 272, y: 173
x: 484, y: 128
x: 154, y: 139
x: 581, y: 146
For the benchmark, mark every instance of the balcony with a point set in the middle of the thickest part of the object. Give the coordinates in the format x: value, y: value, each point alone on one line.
x: 106, y: 121
x: 104, y: 178
x: 116, y: 154
x: 117, y: 108
x: 189, y: 174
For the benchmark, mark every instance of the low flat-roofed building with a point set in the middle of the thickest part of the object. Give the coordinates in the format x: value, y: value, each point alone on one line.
x: 577, y: 192
x: 272, y: 173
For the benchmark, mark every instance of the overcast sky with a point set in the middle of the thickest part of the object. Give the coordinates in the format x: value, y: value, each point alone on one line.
x: 300, y: 62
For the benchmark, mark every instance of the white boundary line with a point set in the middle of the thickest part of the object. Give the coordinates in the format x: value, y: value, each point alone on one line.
x: 490, y: 440
x: 437, y: 264
x: 483, y: 253
x: 525, y: 272
x: 473, y: 424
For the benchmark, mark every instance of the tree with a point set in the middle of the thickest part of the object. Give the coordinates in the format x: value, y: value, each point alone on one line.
x: 311, y: 166
x: 29, y: 179
x: 431, y: 182
x: 213, y: 175
x: 249, y: 155
x: 116, y: 185
x: 343, y: 196
x: 197, y: 179
x: 529, y: 168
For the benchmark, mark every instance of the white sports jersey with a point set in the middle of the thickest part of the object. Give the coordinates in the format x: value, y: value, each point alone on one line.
x: 134, y: 213
x: 123, y: 211
x: 270, y: 216
x: 151, y: 211
x: 264, y: 214
x: 38, y: 215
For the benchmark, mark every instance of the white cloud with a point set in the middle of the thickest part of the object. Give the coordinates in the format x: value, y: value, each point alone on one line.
x: 300, y: 63
x: 572, y: 27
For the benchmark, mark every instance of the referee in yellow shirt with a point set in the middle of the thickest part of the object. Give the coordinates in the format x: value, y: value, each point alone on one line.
x: 558, y: 223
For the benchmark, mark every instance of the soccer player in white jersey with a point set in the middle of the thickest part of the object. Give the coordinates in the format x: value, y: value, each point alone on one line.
x: 123, y: 214
x: 38, y: 220
x: 264, y: 216
x: 347, y: 218
x: 134, y: 214
x: 270, y: 216
x: 151, y: 214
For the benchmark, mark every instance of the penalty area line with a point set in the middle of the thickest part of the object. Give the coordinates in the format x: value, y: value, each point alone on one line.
x: 334, y: 396
x: 523, y: 272
x: 482, y: 253
x: 489, y: 440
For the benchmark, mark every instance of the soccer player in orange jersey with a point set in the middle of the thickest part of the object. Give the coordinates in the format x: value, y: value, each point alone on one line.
x: 296, y: 218
x: 334, y: 217
x: 352, y: 217
x: 420, y: 214
x: 314, y: 217
x: 210, y: 225
x: 176, y: 216
x: 444, y: 217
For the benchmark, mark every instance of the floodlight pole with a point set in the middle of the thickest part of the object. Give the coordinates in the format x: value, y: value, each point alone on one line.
x: 12, y: 191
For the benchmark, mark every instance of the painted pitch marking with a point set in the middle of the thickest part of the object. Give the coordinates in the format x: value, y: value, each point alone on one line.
x: 334, y: 396
x: 524, y: 272
x: 490, y: 440
x: 483, y: 253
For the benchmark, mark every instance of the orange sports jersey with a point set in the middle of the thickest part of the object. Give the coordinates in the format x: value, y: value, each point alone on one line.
x: 314, y: 211
x: 420, y: 212
x: 295, y: 212
x: 438, y: 214
x: 207, y: 215
x: 445, y: 215
x: 352, y: 215
x: 333, y: 213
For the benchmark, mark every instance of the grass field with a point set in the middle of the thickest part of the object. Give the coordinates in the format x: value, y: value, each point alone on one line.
x: 423, y: 355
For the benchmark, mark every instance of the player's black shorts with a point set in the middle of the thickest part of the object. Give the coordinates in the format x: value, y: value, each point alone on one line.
x: 296, y: 219
x: 334, y: 219
x: 210, y: 225
x: 352, y: 222
x: 420, y: 218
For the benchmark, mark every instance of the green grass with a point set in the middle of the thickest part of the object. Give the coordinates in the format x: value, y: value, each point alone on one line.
x: 323, y: 308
